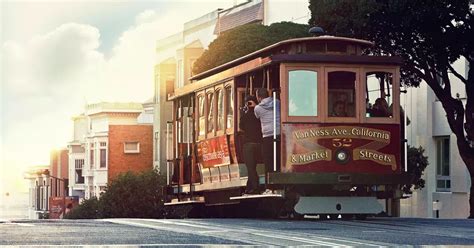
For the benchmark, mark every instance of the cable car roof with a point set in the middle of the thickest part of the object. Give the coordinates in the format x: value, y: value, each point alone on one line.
x: 324, y: 38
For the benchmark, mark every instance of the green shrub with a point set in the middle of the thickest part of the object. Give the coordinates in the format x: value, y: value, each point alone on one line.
x: 134, y: 196
x: 130, y: 195
x: 88, y: 209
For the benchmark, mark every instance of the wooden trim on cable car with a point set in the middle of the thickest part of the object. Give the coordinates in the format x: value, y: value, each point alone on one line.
x: 229, y: 84
x: 219, y: 88
x: 212, y: 133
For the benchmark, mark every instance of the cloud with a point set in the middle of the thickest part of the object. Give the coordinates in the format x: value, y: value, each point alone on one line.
x: 49, y: 78
x: 145, y: 16
x: 52, y: 63
x: 45, y: 80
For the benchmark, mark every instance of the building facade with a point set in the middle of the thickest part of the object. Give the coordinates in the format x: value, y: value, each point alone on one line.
x: 446, y: 193
x: 108, y: 140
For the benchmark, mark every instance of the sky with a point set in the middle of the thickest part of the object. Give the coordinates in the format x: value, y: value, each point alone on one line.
x: 57, y: 56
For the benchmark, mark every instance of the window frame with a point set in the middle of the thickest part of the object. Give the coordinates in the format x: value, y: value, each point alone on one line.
x: 439, y: 175
x: 131, y: 152
x: 197, y: 105
x: 284, y: 75
x: 213, y: 114
x: 395, y: 92
x: 219, y: 88
x: 357, y: 99
x: 227, y: 85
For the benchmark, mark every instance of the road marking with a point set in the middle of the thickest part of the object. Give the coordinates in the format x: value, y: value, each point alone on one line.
x: 250, y: 230
x: 18, y: 224
x: 140, y: 245
x: 216, y: 229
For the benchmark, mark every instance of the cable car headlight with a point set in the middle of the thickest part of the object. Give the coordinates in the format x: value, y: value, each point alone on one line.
x: 342, y: 156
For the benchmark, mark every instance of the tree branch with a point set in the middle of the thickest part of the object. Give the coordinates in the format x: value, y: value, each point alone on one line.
x: 455, y: 73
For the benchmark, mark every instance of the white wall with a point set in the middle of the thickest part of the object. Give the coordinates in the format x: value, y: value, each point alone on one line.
x: 280, y: 10
x: 80, y: 128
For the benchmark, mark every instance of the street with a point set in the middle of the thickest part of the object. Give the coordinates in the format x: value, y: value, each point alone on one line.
x: 238, y: 232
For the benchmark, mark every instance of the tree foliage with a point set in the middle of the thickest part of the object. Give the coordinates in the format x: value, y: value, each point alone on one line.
x: 128, y: 196
x: 416, y: 164
x: 246, y: 39
x: 429, y: 35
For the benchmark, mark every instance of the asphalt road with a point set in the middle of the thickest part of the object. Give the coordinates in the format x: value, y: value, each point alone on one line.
x: 237, y: 232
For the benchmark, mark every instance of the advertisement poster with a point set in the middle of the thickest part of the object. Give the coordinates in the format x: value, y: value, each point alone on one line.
x: 213, y: 152
x: 57, y: 204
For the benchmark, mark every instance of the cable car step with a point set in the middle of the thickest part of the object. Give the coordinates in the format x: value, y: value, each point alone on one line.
x: 259, y: 196
x: 195, y: 200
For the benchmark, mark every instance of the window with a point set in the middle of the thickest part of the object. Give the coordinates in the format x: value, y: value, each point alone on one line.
x: 78, y: 163
x: 92, y: 150
x: 210, y: 112
x: 341, y: 94
x: 131, y: 147
x: 229, y: 98
x: 443, y: 180
x: 220, y: 110
x: 302, y: 93
x: 202, y: 117
x: 103, y: 158
x: 379, y: 94
x: 78, y: 177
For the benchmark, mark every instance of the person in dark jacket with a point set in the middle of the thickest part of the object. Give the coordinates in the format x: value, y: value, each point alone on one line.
x: 250, y: 125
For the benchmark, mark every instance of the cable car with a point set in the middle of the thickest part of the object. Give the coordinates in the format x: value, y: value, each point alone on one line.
x: 341, y: 148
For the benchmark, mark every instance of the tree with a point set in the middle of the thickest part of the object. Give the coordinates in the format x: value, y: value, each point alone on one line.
x: 429, y: 35
x: 246, y: 39
x: 416, y: 164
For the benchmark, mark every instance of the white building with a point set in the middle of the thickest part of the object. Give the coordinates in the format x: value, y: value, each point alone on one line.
x: 447, y: 178
x: 39, y: 190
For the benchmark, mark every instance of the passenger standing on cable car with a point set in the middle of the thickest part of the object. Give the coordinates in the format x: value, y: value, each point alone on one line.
x: 264, y: 112
x: 252, y: 145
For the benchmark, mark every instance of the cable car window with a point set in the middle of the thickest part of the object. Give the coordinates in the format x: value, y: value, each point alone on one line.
x: 230, y: 106
x: 202, y: 117
x: 303, y: 93
x: 220, y: 110
x: 210, y: 112
x: 379, y: 94
x: 341, y: 93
